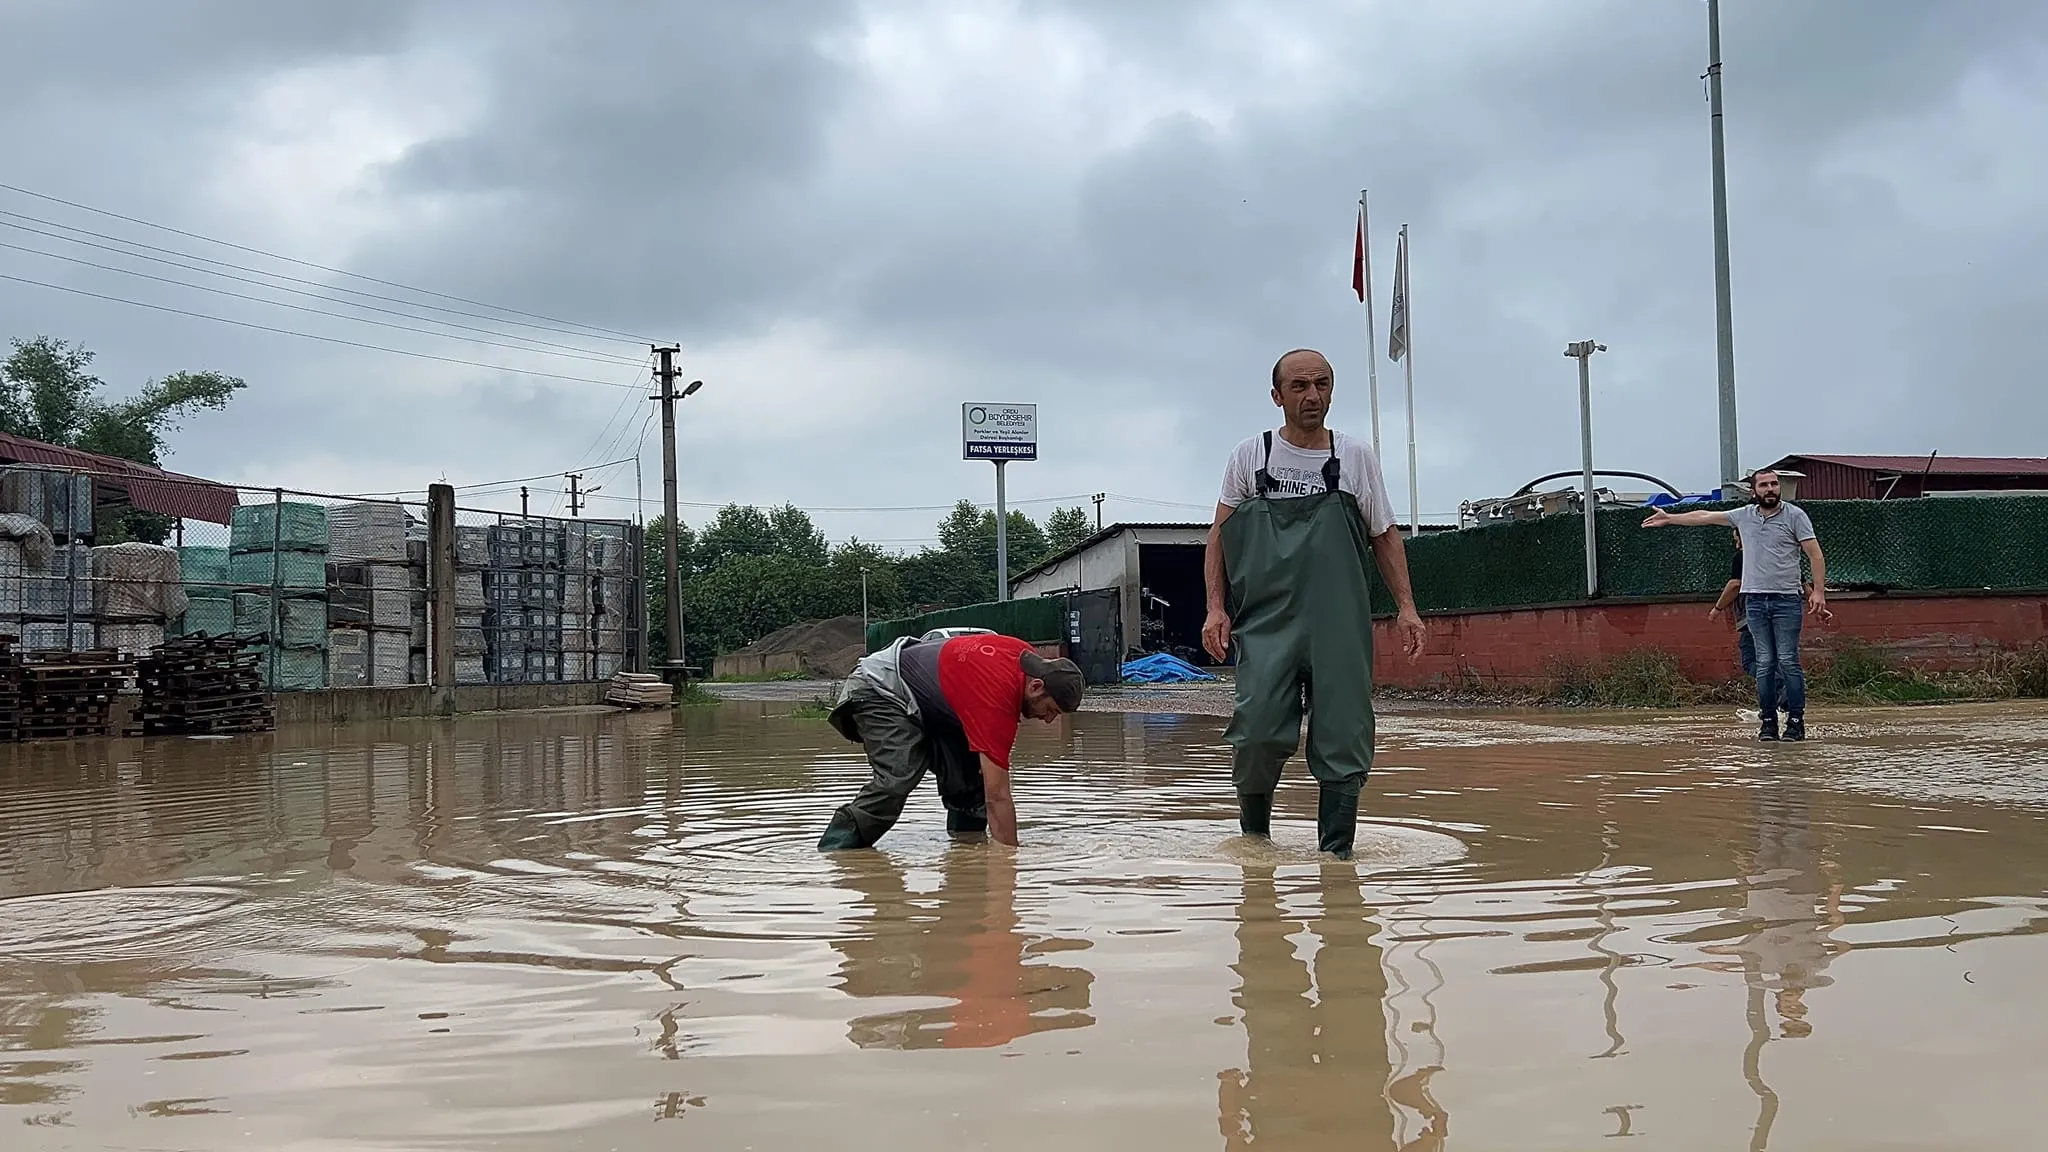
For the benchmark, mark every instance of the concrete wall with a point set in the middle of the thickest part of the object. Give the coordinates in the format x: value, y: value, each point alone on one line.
x: 746, y: 664
x: 1511, y: 648
x: 341, y: 705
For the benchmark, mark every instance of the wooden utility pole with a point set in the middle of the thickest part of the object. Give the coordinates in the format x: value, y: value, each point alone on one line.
x: 666, y: 374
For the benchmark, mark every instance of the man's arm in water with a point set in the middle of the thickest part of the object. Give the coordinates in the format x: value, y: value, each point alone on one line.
x: 1392, y: 557
x: 1002, y: 808
x: 1216, y: 625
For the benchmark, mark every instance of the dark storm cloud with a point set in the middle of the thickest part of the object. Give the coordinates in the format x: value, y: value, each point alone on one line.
x: 1127, y: 225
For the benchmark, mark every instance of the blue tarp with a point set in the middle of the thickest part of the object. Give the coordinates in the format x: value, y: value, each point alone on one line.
x: 1662, y: 499
x: 1162, y: 668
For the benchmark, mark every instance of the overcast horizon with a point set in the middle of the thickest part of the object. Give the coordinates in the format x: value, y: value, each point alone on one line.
x: 855, y: 217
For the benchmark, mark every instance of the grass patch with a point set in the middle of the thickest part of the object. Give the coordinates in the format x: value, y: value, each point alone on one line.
x: 816, y: 708
x: 693, y: 694
x: 1638, y: 678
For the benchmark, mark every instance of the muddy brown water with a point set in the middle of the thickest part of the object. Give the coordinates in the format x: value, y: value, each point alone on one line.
x: 597, y: 931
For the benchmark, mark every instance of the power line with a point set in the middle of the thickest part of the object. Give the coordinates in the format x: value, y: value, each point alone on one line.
x: 600, y: 358
x: 309, y: 335
x: 322, y: 267
x: 294, y: 291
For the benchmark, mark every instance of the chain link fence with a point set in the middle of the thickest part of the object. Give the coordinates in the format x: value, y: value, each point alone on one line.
x: 332, y: 591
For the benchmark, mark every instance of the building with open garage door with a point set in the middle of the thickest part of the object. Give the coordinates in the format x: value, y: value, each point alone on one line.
x: 1156, y: 573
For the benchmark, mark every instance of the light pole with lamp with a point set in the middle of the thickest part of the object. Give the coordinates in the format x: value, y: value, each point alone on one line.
x: 1582, y: 351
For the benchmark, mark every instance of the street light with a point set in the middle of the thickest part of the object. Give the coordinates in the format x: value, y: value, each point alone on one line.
x: 1582, y: 351
x: 863, y: 601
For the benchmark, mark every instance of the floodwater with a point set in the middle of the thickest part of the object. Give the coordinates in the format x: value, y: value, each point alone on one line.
x: 595, y: 931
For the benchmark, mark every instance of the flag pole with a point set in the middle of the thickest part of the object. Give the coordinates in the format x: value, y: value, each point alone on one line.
x: 1408, y: 363
x: 1363, y: 276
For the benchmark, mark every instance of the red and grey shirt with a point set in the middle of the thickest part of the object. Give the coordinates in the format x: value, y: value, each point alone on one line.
x: 975, y: 683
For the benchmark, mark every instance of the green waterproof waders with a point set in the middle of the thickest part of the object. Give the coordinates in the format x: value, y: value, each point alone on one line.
x: 1301, y: 616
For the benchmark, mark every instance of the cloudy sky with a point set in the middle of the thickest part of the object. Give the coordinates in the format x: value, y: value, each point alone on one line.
x: 853, y: 217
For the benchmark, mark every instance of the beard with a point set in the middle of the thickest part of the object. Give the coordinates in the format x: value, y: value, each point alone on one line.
x: 1770, y: 501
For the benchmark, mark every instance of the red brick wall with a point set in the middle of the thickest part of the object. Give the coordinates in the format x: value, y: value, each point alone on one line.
x: 1515, y: 647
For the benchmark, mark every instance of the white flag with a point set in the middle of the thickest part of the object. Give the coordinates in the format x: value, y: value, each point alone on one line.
x: 1397, y: 328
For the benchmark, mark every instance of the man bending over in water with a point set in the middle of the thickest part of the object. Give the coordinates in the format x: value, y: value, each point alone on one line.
x: 950, y: 707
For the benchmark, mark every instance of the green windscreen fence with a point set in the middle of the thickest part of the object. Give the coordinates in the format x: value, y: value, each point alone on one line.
x: 1039, y: 619
x: 1924, y: 544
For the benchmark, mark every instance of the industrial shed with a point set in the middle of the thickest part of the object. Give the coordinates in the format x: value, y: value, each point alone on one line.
x: 1156, y: 571
x: 1895, y: 477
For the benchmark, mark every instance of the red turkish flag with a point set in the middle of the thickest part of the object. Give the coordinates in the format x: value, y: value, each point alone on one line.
x: 1358, y: 260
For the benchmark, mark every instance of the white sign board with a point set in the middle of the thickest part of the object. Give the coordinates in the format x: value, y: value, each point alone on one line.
x: 999, y: 431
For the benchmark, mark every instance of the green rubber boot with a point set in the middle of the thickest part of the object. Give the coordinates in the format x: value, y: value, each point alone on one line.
x: 1255, y: 813
x: 842, y: 833
x: 1336, y: 821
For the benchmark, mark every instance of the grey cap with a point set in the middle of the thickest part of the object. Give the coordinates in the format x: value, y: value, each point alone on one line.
x: 1063, y: 679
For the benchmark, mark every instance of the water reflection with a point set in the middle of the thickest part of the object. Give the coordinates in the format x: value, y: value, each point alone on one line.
x: 1789, y: 907
x: 1317, y: 1065
x: 965, y: 944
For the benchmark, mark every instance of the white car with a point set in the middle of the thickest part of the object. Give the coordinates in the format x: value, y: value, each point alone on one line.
x: 944, y: 634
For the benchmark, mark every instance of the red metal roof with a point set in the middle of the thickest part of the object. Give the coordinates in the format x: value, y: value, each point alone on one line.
x: 150, y: 489
x: 1940, y: 465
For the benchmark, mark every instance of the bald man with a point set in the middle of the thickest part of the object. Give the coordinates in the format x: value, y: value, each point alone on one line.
x: 1303, y: 513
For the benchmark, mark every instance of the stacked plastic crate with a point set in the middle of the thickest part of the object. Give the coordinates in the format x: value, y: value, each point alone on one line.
x: 46, y: 573
x: 209, y: 596
x: 524, y: 587
x: 277, y: 561
x: 369, y: 606
x: 472, y: 607
x: 605, y: 552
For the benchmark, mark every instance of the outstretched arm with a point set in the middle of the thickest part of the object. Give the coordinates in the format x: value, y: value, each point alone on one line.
x: 1002, y: 807
x: 1392, y: 557
x: 1216, y: 625
x: 1695, y: 519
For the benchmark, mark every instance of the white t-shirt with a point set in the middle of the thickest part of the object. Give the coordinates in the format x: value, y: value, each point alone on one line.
x: 1299, y: 472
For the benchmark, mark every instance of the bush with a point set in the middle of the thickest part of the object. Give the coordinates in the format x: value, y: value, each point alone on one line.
x: 1638, y: 678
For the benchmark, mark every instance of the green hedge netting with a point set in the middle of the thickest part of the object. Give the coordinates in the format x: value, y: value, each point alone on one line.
x: 1039, y: 619
x: 1927, y: 544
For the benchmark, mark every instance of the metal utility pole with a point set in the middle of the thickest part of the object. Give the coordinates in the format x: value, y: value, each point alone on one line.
x: 863, y: 601
x: 1098, y: 510
x: 574, y: 506
x: 1002, y: 539
x: 522, y: 501
x: 666, y: 374
x: 1724, y: 315
x: 1582, y: 351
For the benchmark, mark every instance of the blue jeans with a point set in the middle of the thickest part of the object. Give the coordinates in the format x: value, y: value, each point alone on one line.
x: 1775, y: 619
x: 1746, y: 649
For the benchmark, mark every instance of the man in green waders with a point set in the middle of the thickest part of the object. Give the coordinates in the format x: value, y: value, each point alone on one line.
x: 1303, y: 511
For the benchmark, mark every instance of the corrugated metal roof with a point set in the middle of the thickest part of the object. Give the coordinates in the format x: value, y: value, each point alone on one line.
x: 1938, y: 466
x: 1097, y: 538
x: 147, y: 488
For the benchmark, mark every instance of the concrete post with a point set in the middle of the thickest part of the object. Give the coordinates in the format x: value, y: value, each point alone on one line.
x: 441, y: 585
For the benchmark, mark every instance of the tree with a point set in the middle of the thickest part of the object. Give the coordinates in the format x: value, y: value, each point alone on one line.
x: 795, y: 535
x: 735, y: 531
x: 48, y: 394
x: 1065, y: 528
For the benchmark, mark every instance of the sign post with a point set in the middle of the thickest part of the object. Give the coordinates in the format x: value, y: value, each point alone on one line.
x: 1001, y: 433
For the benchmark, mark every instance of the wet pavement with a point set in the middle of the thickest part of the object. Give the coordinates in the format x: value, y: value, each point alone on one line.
x: 610, y: 931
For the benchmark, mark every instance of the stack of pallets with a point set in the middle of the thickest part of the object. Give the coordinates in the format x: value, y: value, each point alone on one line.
x: 203, y: 686
x: 10, y: 691
x: 638, y: 690
x: 66, y: 695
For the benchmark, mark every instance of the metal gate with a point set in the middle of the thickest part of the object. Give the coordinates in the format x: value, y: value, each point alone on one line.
x: 1095, y: 634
